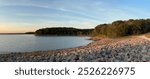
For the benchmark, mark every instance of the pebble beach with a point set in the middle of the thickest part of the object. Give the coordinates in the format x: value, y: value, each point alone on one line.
x: 129, y: 49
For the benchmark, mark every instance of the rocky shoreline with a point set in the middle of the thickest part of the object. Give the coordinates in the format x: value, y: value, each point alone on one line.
x: 129, y: 49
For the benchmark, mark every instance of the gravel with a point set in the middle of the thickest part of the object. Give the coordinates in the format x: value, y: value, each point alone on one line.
x: 103, y: 50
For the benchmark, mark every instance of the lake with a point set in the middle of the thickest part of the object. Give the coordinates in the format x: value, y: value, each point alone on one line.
x: 28, y: 43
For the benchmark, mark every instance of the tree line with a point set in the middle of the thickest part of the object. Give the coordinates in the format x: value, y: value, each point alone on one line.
x: 123, y: 28
x: 63, y: 31
x: 115, y: 29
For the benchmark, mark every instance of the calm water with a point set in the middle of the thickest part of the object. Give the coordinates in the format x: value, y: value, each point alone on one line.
x: 27, y: 43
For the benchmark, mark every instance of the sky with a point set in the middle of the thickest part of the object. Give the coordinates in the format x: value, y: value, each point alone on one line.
x: 29, y: 15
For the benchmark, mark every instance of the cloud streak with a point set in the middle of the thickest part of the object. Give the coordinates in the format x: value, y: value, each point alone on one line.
x: 76, y: 13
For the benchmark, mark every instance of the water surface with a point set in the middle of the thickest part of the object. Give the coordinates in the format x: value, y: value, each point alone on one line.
x: 28, y: 43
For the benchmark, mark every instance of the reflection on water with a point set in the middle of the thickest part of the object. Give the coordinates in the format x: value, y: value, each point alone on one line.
x: 22, y: 43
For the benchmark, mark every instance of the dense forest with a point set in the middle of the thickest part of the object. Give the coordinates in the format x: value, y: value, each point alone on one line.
x: 115, y: 29
x: 63, y: 31
x: 123, y: 28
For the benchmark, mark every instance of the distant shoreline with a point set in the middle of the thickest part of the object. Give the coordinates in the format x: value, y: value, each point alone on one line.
x: 14, y: 33
x: 11, y: 33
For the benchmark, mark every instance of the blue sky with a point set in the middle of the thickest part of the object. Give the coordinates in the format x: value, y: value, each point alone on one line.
x: 29, y: 15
